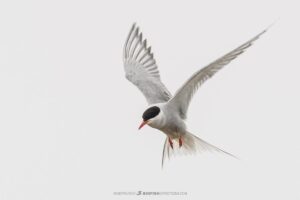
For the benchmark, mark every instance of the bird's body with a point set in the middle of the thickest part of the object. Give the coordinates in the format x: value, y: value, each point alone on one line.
x: 168, y: 121
x: 165, y: 112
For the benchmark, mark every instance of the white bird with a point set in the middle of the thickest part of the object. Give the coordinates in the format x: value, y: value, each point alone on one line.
x: 165, y: 112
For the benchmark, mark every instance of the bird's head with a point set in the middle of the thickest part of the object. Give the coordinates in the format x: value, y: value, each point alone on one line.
x: 149, y: 115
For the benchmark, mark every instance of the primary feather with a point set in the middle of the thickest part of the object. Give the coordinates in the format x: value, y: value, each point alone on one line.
x: 183, y: 96
x: 141, y: 69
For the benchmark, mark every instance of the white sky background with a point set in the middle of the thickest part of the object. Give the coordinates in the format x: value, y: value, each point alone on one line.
x: 69, y: 117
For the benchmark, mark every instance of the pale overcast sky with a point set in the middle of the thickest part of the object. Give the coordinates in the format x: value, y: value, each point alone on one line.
x: 69, y: 117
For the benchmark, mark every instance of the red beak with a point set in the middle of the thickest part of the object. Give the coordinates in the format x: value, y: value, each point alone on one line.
x: 143, y: 124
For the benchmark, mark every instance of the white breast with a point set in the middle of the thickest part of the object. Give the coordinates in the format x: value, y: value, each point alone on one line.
x: 169, y: 122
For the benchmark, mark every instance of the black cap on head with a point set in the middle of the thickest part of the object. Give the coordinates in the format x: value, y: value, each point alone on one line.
x: 151, y: 112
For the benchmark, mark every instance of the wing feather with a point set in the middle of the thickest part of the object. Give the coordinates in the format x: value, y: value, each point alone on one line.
x: 141, y: 69
x: 183, y: 96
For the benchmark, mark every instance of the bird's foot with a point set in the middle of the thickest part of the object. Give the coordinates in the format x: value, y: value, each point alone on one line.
x: 171, y: 143
x: 180, y: 142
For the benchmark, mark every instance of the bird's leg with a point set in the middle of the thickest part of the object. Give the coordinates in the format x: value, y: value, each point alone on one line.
x: 171, y: 143
x: 180, y: 142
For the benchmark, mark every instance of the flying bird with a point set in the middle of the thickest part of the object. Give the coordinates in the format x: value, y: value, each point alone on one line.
x: 165, y: 112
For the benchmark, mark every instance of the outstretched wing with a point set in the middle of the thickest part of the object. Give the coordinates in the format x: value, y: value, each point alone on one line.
x: 141, y: 69
x: 183, y: 96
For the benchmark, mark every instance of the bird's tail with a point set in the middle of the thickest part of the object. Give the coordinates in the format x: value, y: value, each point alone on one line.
x: 191, y: 144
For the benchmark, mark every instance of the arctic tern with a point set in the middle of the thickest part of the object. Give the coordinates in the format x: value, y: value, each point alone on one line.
x: 165, y: 112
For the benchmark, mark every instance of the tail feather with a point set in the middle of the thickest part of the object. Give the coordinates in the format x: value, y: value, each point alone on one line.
x: 191, y: 145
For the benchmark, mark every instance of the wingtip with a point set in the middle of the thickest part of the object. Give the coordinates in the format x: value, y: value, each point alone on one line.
x: 134, y: 25
x: 268, y: 27
x: 272, y: 24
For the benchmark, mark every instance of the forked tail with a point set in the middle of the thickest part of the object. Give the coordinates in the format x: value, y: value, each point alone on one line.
x: 191, y: 144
